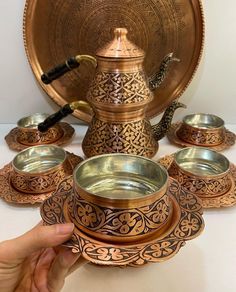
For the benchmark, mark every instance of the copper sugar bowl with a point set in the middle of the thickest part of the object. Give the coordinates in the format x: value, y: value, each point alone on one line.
x: 118, y: 95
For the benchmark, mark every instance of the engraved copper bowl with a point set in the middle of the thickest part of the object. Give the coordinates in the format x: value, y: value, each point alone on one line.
x: 201, y: 171
x: 28, y: 133
x: 39, y: 169
x: 202, y: 130
x: 120, y: 197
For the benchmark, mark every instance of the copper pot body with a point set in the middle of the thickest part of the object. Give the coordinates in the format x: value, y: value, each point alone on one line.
x: 120, y: 197
x: 119, y: 95
x: 29, y: 135
x: 39, y: 169
x: 202, y: 130
x: 201, y: 171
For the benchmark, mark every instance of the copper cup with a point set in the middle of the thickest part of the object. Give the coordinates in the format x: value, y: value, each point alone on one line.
x: 39, y: 169
x: 202, y: 130
x: 201, y: 171
x: 28, y: 133
x: 120, y: 197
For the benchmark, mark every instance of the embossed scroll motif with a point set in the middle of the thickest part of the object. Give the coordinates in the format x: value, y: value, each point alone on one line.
x: 188, y: 225
x: 127, y: 222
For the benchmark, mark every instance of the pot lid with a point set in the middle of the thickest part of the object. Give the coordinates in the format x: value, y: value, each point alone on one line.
x: 120, y: 47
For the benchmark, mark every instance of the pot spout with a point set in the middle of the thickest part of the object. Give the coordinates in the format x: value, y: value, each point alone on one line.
x: 157, y: 78
x: 160, y: 129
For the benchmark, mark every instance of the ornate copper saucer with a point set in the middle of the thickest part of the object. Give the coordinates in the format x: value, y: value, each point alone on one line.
x: 226, y: 200
x: 11, y: 137
x: 229, y: 141
x: 11, y: 195
x: 56, y: 30
x: 185, y: 224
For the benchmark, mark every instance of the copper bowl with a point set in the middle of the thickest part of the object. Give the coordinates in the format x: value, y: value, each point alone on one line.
x: 28, y: 133
x: 202, y: 130
x: 201, y: 171
x: 39, y: 169
x: 120, y: 197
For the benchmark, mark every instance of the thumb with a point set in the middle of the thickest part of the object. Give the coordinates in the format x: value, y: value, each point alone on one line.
x: 37, y: 238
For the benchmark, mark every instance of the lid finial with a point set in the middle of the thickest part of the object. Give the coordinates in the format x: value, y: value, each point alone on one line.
x: 120, y: 47
x: 120, y: 33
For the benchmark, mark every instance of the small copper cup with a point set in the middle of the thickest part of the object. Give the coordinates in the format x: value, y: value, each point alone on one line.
x: 201, y: 171
x: 28, y: 133
x: 120, y: 197
x: 202, y: 130
x: 39, y: 169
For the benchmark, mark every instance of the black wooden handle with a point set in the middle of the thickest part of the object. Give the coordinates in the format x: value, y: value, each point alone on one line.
x: 55, y: 118
x: 59, y: 70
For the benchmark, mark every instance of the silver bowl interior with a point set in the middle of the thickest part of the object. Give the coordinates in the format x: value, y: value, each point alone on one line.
x: 120, y: 176
x: 31, y: 121
x: 202, y: 161
x: 39, y: 159
x: 203, y: 121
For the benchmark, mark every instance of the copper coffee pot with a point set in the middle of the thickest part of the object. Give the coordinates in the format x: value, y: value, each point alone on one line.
x: 118, y: 95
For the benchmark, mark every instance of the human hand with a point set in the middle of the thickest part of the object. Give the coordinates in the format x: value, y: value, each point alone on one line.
x: 30, y: 264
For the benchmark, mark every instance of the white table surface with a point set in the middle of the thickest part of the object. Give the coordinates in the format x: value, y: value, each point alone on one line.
x: 205, y: 264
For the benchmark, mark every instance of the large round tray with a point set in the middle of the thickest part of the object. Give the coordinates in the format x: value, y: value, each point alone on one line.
x: 57, y: 29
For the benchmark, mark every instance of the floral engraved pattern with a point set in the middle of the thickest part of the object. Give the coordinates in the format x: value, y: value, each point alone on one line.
x: 132, y: 138
x: 14, y: 142
x: 88, y: 218
x: 229, y: 139
x: 127, y: 222
x: 119, y: 88
x: 188, y: 226
x: 124, y: 222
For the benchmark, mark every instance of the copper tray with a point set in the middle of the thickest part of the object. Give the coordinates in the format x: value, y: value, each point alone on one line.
x: 57, y: 29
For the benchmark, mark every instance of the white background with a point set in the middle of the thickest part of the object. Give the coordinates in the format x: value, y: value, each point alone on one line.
x: 206, y: 264
x: 213, y: 89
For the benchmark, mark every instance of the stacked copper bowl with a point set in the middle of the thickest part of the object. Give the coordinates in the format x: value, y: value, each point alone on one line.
x: 204, y: 130
x: 26, y: 134
x: 125, y: 209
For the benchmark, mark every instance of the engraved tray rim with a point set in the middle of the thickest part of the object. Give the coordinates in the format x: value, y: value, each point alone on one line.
x: 154, y: 108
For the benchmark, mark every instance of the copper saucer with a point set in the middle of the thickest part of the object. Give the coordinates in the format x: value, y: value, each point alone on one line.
x: 186, y: 223
x: 229, y: 141
x: 226, y: 200
x: 11, y: 195
x: 11, y: 137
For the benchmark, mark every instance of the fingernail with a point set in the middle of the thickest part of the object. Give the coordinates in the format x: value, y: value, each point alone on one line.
x: 63, y: 229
